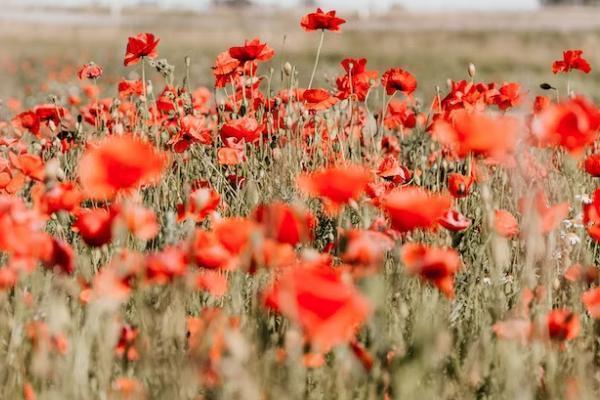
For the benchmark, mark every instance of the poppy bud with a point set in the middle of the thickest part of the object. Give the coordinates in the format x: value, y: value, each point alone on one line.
x: 472, y: 70
x: 546, y: 86
x: 287, y: 68
x: 187, y: 61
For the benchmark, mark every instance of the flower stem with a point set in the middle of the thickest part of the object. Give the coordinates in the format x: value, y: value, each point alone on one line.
x: 312, y: 76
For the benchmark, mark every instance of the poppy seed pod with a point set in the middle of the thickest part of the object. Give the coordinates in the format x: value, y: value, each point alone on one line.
x: 287, y: 68
x: 472, y: 70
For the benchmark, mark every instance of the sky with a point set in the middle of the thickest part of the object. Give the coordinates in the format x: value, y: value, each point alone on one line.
x: 374, y: 5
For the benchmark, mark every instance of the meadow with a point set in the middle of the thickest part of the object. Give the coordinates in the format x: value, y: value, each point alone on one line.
x: 407, y: 211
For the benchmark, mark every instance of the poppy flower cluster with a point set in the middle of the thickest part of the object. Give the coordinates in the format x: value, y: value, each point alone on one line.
x: 249, y: 226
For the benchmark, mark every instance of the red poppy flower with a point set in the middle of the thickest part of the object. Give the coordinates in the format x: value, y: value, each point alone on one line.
x: 477, y: 133
x: 336, y: 186
x: 61, y: 257
x: 578, y: 273
x: 399, y: 115
x: 572, y: 125
x: 591, y: 216
x: 29, y: 120
x: 90, y: 71
x: 321, y: 20
x: 328, y: 309
x: 225, y: 69
x: 318, y: 99
x: 509, y: 95
x: 141, y: 45
x: 201, y: 202
x: 251, y: 51
x: 459, y: 185
x: 163, y: 267
x: 365, y: 247
x: 130, y: 87
x: 398, y: 80
x: 357, y: 81
x: 390, y: 169
x: 95, y: 226
x: 64, y: 196
x: 119, y: 163
x: 435, y: 265
x: 562, y: 325
x: 246, y: 128
x: 209, y: 252
x: 415, y: 208
x: 505, y: 224
x: 572, y: 59
x: 540, y: 103
x: 592, y: 165
x: 285, y: 223
x: 454, y: 221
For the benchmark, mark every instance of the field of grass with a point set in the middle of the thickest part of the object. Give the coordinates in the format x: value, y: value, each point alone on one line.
x: 176, y: 238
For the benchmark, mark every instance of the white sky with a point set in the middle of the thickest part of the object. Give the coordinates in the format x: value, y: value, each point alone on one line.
x: 329, y: 4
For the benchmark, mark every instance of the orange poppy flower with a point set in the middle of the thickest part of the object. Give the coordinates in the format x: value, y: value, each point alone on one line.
x: 319, y: 19
x: 141, y: 45
x: 328, y: 309
x: 591, y: 300
x: 579, y: 273
x: 336, y: 186
x: 398, y: 80
x: 139, y: 220
x: 64, y: 196
x: 29, y: 164
x: 505, y: 224
x: 415, y: 208
x: 213, y: 282
x: 435, y: 265
x: 477, y: 133
x: 130, y: 87
x: 318, y: 99
x: 572, y: 59
x: 119, y: 163
x: 365, y: 247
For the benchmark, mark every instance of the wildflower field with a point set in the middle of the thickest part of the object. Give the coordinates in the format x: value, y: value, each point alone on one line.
x: 265, y: 229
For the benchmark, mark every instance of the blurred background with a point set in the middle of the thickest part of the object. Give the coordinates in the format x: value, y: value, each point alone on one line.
x: 44, y: 41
